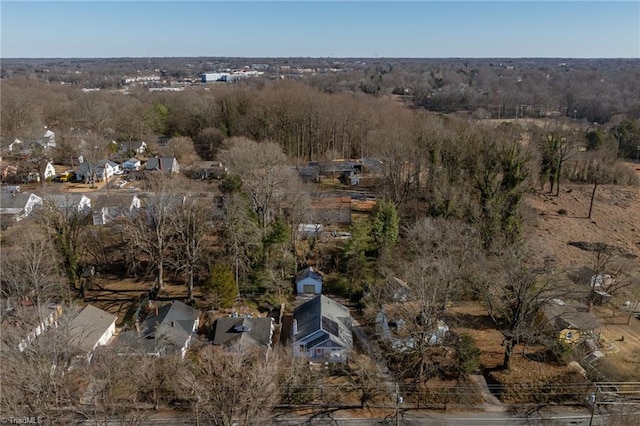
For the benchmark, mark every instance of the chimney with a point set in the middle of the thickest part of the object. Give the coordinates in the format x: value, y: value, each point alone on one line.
x: 159, y: 163
x: 294, y: 327
x: 138, y: 327
x: 155, y: 310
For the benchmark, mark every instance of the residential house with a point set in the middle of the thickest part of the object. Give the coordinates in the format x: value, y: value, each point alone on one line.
x: 15, y: 206
x: 396, y: 324
x: 243, y: 332
x: 164, y: 164
x: 321, y: 330
x: 568, y: 323
x: 309, y: 173
x: 310, y: 230
x: 91, y: 328
x: 208, y: 170
x: 9, y: 173
x: 68, y: 203
x: 167, y: 329
x: 131, y: 164
x: 97, y: 172
x: 47, y: 141
x: 108, y: 208
x: 48, y: 172
x: 309, y: 281
x: 133, y: 147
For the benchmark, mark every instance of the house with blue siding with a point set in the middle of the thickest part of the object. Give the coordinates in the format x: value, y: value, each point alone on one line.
x: 321, y: 330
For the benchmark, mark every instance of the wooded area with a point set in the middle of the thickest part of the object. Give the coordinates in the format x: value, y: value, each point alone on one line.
x: 448, y: 151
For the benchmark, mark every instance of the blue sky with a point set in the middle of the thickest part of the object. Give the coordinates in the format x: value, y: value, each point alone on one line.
x: 579, y: 29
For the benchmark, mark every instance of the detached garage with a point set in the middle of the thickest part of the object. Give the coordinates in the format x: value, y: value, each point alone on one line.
x: 309, y: 281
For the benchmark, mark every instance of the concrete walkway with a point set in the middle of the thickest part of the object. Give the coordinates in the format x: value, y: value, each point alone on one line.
x: 491, y: 403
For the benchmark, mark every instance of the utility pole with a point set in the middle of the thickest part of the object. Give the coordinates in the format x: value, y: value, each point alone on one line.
x: 398, y: 402
x: 593, y: 398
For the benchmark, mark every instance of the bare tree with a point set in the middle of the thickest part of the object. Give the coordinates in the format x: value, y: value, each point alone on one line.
x: 66, y: 221
x: 556, y: 149
x: 240, y: 234
x: 513, y: 297
x: 31, y: 268
x: 364, y: 379
x: 36, y: 381
x: 150, y: 228
x: 232, y: 387
x: 113, y: 393
x: 265, y: 175
x: 192, y: 223
x: 599, y: 168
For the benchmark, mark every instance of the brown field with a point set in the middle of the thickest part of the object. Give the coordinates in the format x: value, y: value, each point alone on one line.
x: 615, y: 222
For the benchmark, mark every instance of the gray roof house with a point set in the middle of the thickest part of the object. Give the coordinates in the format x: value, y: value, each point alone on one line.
x: 17, y: 206
x: 138, y: 147
x: 92, y: 327
x: 166, y: 330
x: 131, y: 164
x: 208, y: 170
x: 568, y: 322
x: 106, y: 209
x: 69, y: 203
x: 243, y: 332
x: 165, y: 164
x: 321, y: 330
x: 309, y: 281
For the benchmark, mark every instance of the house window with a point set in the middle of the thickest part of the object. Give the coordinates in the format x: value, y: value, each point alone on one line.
x: 319, y: 352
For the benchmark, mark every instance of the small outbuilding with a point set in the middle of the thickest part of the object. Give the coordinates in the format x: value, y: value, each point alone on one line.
x: 309, y: 281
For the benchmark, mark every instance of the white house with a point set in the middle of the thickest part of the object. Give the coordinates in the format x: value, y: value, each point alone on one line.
x: 110, y: 208
x: 101, y: 170
x: 137, y: 147
x: 69, y: 202
x: 131, y: 164
x: 309, y: 281
x: 92, y: 327
x: 18, y: 205
x: 49, y: 171
x: 47, y: 141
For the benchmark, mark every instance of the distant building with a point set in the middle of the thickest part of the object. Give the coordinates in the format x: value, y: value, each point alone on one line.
x: 164, y: 164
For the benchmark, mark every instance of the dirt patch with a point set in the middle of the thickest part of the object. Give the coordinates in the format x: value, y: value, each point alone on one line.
x: 472, y: 319
x: 525, y: 373
x: 117, y: 296
x: 615, y: 221
x: 620, y: 343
